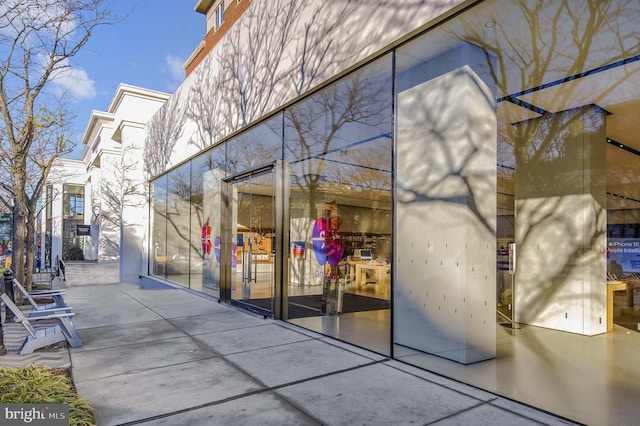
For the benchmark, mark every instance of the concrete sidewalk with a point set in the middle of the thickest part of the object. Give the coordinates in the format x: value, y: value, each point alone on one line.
x: 166, y: 356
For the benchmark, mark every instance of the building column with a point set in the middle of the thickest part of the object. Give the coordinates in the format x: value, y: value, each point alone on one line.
x: 445, y: 204
x: 560, y: 221
x: 134, y: 207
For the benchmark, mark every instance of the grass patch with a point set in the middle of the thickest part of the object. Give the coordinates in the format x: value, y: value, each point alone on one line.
x: 40, y: 385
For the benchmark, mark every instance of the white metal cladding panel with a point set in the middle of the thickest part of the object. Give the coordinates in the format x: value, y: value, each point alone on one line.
x: 445, y: 279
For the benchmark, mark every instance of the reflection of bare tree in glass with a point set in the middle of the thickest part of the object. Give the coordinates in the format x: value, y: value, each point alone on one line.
x: 212, y: 160
x: 255, y: 207
x: 198, y: 169
x: 164, y: 130
x: 542, y: 72
x: 257, y: 147
x: 329, y: 121
x: 563, y: 45
x: 178, y: 195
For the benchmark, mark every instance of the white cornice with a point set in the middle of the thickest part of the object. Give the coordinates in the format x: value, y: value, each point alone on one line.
x: 126, y: 89
x: 117, y: 134
x: 97, y: 118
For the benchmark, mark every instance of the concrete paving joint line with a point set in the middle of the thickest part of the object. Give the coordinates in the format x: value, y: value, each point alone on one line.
x: 274, y: 389
x: 265, y: 389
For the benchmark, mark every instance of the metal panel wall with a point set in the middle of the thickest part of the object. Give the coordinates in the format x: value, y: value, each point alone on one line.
x: 445, y: 274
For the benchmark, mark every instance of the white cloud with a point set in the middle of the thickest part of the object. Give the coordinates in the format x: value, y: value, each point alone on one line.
x: 176, y: 71
x: 73, y: 82
x: 175, y: 67
x: 51, y: 17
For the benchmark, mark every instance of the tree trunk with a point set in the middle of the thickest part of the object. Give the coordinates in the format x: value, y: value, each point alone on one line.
x: 30, y: 243
x: 19, y: 224
x: 3, y: 351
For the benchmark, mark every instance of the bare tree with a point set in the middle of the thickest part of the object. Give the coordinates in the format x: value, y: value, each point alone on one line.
x: 50, y: 143
x: 37, y: 39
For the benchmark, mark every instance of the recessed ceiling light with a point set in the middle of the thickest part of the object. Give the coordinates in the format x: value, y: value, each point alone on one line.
x: 490, y: 24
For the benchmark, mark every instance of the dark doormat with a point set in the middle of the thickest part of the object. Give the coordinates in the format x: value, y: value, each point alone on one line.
x: 311, y: 305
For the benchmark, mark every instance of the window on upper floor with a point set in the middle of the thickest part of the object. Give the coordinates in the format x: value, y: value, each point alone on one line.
x: 73, y: 201
x: 219, y: 15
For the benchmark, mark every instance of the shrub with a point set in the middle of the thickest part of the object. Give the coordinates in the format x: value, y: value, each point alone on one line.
x: 74, y: 253
x: 41, y: 385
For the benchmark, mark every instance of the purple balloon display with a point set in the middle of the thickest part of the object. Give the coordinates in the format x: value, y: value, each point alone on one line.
x: 234, y: 249
x: 216, y: 248
x: 325, y: 248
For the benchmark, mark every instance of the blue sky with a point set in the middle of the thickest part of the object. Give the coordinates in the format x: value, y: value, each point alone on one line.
x: 146, y: 48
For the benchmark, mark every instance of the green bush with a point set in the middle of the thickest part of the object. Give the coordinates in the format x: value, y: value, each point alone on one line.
x: 40, y: 385
x: 74, y: 253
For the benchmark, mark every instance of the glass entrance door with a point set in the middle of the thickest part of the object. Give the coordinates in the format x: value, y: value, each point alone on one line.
x: 250, y: 240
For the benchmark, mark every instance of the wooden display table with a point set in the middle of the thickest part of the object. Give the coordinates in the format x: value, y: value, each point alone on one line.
x: 380, y: 271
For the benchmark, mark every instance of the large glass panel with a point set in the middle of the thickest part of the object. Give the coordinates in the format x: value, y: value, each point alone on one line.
x: 207, y: 170
x: 339, y: 143
x: 178, y: 224
x: 256, y: 147
x: 158, y: 221
x: 565, y: 80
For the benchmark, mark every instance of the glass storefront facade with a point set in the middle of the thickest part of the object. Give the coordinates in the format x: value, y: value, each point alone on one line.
x: 473, y: 180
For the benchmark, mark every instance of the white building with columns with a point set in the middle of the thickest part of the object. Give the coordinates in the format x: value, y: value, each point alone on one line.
x: 97, y: 205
